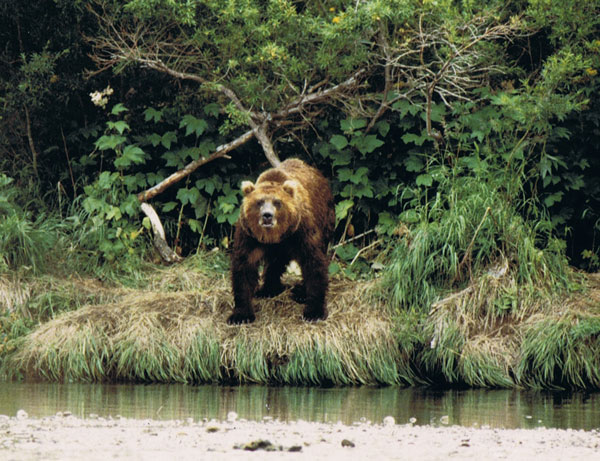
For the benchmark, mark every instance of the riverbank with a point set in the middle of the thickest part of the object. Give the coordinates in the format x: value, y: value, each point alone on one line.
x: 65, y: 437
x: 172, y: 329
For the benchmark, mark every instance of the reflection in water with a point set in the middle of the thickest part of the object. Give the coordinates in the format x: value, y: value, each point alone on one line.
x: 494, y: 408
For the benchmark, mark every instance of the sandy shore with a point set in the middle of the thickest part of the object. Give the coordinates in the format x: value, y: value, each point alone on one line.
x: 65, y: 437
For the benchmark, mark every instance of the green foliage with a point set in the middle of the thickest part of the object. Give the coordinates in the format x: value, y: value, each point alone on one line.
x: 26, y: 239
x: 466, y: 227
x: 111, y: 201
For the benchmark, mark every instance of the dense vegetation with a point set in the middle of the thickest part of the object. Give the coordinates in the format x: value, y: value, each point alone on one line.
x: 460, y: 136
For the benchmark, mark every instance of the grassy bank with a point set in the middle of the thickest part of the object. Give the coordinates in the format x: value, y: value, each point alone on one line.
x: 172, y: 328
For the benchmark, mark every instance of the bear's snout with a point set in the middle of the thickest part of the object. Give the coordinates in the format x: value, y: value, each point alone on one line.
x: 267, y: 214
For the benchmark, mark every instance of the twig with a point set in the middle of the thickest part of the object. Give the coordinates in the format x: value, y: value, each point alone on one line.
x: 34, y: 152
x: 362, y: 250
x: 356, y: 237
x: 68, y: 161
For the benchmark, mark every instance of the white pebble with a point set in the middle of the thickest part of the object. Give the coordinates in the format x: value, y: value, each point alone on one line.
x: 389, y: 421
x: 22, y: 414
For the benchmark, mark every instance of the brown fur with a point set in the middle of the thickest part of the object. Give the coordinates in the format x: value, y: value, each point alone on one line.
x: 303, y: 218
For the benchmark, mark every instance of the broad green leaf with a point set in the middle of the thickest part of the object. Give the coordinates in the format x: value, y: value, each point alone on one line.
x: 424, y: 180
x: 342, y: 158
x: 193, y: 125
x: 360, y: 175
x: 342, y: 208
x: 383, y: 127
x: 409, y: 216
x: 366, y: 144
x: 344, y: 174
x: 212, y: 109
x: 118, y: 108
x: 152, y: 114
x: 346, y: 252
x: 172, y: 159
x: 553, y: 198
x: 110, y: 141
x: 120, y: 126
x: 413, y: 163
x: 386, y: 223
x: 169, y: 206
x: 186, y: 195
x: 131, y: 155
x: 114, y: 213
x: 155, y: 139
x: 339, y: 141
x: 414, y: 138
x: 350, y: 124
x: 363, y: 190
x: 168, y: 138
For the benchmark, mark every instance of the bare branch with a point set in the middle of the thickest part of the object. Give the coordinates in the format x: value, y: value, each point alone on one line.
x: 435, y: 61
x: 220, y: 152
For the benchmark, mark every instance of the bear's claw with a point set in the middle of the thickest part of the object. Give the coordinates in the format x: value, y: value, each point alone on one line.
x: 240, y: 318
x: 311, y: 315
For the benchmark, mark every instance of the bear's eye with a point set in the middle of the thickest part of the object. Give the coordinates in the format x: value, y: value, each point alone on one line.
x: 260, y: 203
x: 277, y: 204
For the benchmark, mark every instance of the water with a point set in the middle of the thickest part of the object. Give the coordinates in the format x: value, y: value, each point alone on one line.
x: 473, y: 408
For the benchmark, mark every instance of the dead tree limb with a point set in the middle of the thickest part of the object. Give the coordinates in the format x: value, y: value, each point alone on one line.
x: 220, y: 152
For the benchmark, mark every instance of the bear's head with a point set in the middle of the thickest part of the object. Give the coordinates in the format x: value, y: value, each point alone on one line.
x: 270, y: 210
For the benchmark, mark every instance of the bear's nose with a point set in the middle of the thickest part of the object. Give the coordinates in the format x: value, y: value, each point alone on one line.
x: 267, y: 217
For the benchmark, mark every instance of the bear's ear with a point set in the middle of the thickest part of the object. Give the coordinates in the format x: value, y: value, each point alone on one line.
x: 247, y: 187
x: 290, y: 187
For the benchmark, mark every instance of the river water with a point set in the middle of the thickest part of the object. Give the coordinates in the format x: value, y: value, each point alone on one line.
x: 472, y: 408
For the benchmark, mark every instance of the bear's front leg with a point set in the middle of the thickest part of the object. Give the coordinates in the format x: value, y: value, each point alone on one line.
x: 316, y: 279
x: 244, y: 279
x: 275, y: 267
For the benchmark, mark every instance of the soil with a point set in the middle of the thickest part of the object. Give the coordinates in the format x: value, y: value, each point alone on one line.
x: 66, y: 437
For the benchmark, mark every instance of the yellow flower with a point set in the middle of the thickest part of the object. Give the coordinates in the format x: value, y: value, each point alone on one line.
x: 332, y: 9
x: 336, y: 20
x: 591, y: 72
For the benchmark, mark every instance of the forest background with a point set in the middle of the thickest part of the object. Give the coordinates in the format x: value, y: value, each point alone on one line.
x: 460, y: 137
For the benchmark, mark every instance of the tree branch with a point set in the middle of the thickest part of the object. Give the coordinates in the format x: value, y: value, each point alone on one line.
x: 221, y: 151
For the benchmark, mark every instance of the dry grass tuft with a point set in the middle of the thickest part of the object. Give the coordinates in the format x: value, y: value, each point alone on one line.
x: 12, y: 294
x: 183, y: 336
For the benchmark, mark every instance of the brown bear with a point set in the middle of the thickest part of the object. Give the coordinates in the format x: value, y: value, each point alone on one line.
x: 287, y: 215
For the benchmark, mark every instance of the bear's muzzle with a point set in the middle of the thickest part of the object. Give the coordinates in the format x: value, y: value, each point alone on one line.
x: 267, y: 215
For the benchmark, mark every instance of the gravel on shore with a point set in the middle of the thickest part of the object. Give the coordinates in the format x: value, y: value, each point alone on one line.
x: 66, y: 437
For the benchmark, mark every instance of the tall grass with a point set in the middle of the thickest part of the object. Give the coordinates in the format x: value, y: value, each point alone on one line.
x: 561, y: 351
x: 465, y: 230
x: 473, y: 270
x: 26, y: 239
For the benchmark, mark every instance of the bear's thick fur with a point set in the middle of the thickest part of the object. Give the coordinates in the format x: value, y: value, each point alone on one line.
x: 287, y: 215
